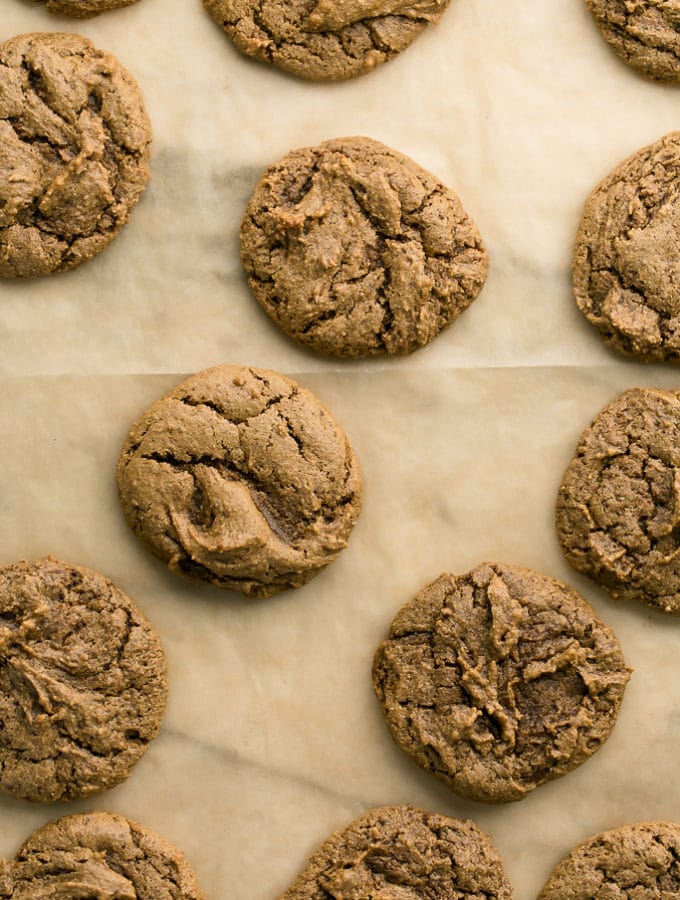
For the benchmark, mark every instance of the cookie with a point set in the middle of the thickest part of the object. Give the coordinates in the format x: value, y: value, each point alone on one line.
x: 82, y: 682
x: 618, y: 506
x: 499, y: 680
x: 636, y: 861
x: 355, y: 250
x: 74, y: 152
x: 646, y: 34
x: 83, y: 9
x: 324, y: 39
x: 100, y: 855
x: 241, y: 478
x: 401, y: 852
x: 626, y: 265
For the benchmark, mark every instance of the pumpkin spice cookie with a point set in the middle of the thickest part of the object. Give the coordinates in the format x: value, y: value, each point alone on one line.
x: 355, y: 250
x: 626, y: 264
x: 74, y: 152
x: 646, y: 34
x: 83, y: 682
x: 98, y: 854
x: 402, y: 852
x: 241, y: 478
x: 324, y: 39
x: 636, y: 861
x: 618, y: 506
x: 83, y: 9
x: 499, y: 680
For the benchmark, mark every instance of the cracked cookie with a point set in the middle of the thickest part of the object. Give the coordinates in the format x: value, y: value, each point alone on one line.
x: 640, y: 861
x: 626, y: 264
x: 74, y: 152
x: 241, y: 478
x: 355, y: 250
x: 618, y: 506
x: 83, y: 682
x: 83, y: 9
x: 324, y: 39
x: 646, y: 34
x: 405, y: 853
x: 101, y: 855
x: 499, y: 680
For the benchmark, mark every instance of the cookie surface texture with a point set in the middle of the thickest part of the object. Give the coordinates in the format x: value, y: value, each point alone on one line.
x: 98, y: 855
x: 241, y: 478
x: 83, y: 9
x: 626, y: 265
x: 324, y: 39
x: 83, y: 682
x: 646, y: 34
x: 74, y: 152
x: 636, y: 861
x: 499, y: 680
x: 618, y: 506
x: 355, y: 250
x: 402, y: 853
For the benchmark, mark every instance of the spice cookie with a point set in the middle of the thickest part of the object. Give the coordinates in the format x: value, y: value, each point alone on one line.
x: 618, y: 506
x: 646, y: 34
x: 499, y: 680
x: 83, y: 9
x: 83, y: 682
x: 398, y: 851
x: 74, y: 152
x: 241, y: 478
x: 636, y: 861
x: 100, y: 855
x: 324, y: 39
x: 626, y: 264
x: 355, y: 250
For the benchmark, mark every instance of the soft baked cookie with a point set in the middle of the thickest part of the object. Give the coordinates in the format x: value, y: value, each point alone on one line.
x: 645, y: 33
x: 74, y: 152
x: 402, y: 853
x: 626, y: 264
x: 101, y: 855
x: 355, y: 250
x: 618, y: 506
x: 324, y: 39
x: 241, y: 478
x: 499, y: 680
x: 84, y: 8
x: 640, y: 862
x: 83, y: 682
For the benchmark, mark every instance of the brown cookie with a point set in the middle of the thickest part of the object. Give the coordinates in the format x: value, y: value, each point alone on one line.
x: 324, y: 39
x: 74, y: 152
x: 646, y: 34
x: 355, y: 250
x: 499, y: 680
x: 640, y: 862
x: 83, y: 682
x: 626, y: 264
x: 401, y: 853
x: 241, y: 478
x: 83, y: 9
x: 99, y: 855
x: 618, y: 506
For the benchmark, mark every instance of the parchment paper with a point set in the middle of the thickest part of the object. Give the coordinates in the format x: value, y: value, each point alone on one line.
x: 273, y: 737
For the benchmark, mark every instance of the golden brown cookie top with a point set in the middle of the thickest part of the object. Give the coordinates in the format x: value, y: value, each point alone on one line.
x: 83, y: 9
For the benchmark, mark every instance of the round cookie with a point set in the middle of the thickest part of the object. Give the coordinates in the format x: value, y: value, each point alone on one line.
x: 324, y: 39
x: 636, y: 861
x: 400, y: 852
x: 646, y: 34
x: 618, y: 505
x: 99, y: 855
x: 241, y: 478
x: 83, y: 682
x: 499, y: 680
x: 74, y: 152
x: 83, y: 9
x: 355, y: 250
x: 626, y: 264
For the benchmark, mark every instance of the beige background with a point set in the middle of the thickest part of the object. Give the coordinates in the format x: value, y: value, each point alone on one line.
x: 273, y: 737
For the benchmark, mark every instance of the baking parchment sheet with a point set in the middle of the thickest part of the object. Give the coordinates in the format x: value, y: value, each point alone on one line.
x: 273, y: 737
